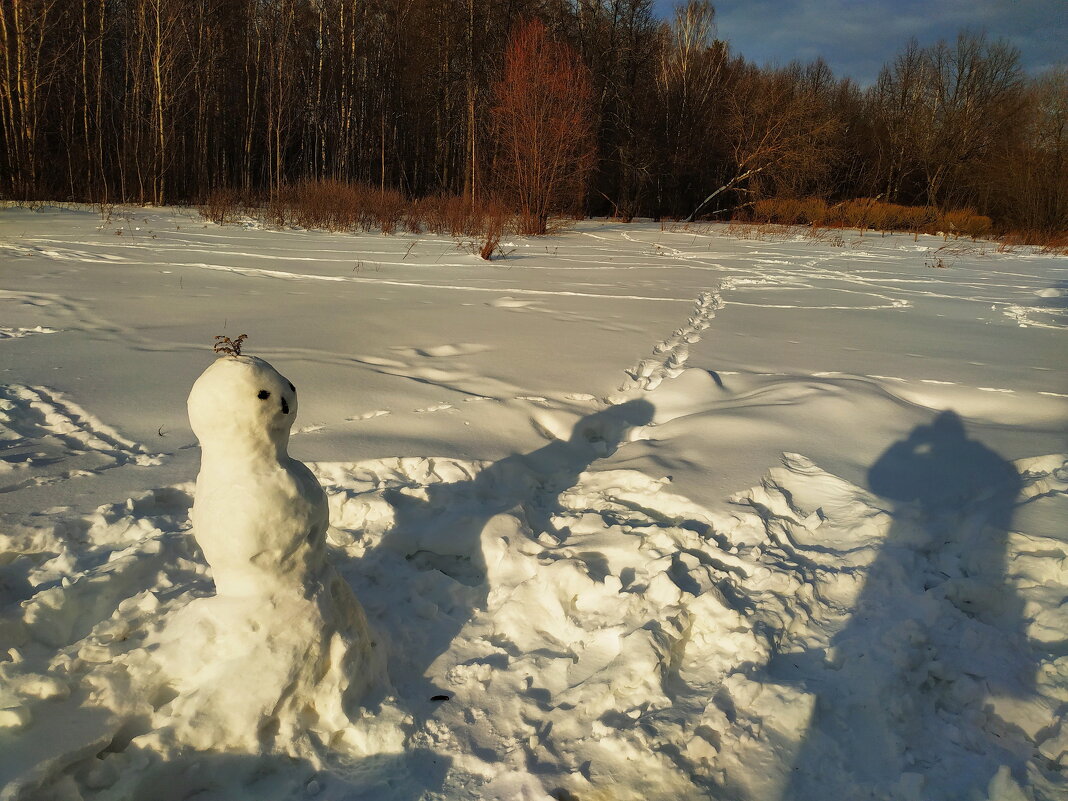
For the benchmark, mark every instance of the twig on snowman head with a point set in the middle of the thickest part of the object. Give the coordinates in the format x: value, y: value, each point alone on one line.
x: 229, y: 347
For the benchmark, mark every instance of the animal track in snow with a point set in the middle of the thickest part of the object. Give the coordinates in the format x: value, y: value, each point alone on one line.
x: 444, y: 351
x: 368, y: 415
x: 670, y: 355
x: 437, y: 407
x: 15, y: 333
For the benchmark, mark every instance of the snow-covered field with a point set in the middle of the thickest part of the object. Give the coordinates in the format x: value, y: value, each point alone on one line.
x: 659, y: 514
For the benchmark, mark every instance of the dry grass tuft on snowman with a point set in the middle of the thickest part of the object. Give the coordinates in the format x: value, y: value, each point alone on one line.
x: 281, y: 656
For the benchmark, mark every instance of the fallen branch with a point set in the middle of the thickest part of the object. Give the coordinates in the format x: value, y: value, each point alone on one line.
x: 729, y: 185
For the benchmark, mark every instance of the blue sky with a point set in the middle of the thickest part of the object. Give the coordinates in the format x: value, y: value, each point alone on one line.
x: 856, y: 37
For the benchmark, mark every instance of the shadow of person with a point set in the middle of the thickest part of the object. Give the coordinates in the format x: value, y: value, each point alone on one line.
x: 904, y: 698
x: 438, y: 529
x: 222, y: 776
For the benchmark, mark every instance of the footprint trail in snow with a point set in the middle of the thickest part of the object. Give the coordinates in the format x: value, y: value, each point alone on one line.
x: 670, y: 355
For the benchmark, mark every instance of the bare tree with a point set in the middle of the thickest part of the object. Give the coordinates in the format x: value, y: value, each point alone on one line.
x: 691, y: 81
x: 943, y: 111
x: 26, y: 28
x: 542, y: 127
x: 976, y: 96
x: 776, y: 133
x: 166, y: 100
x: 619, y: 41
x: 1028, y: 185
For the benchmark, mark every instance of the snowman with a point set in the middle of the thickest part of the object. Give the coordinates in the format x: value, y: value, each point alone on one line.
x: 259, y: 515
x: 281, y: 657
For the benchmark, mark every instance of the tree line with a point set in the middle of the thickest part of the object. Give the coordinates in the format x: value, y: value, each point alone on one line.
x: 160, y: 101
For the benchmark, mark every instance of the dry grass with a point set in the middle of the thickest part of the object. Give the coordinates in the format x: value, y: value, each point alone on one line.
x: 1051, y: 244
x: 340, y: 206
x: 776, y: 232
x: 868, y: 213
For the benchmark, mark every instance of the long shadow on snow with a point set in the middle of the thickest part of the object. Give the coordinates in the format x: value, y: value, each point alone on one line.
x: 443, y: 532
x: 936, y: 630
x: 216, y: 776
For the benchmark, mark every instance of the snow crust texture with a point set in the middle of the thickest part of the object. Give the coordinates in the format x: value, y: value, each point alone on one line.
x: 814, y: 548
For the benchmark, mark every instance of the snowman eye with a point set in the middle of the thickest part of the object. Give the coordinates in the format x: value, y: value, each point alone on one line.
x: 263, y: 394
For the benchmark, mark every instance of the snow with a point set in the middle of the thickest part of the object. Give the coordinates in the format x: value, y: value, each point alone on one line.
x: 652, y: 514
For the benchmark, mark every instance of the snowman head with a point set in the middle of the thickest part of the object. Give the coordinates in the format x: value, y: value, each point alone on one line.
x: 242, y: 405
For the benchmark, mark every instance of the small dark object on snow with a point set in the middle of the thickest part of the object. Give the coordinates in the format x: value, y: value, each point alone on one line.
x: 440, y: 698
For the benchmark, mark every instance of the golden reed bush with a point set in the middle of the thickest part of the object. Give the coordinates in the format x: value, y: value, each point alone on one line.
x: 864, y: 213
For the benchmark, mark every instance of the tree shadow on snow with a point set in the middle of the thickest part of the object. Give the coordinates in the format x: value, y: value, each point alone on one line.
x: 441, y: 533
x: 904, y: 705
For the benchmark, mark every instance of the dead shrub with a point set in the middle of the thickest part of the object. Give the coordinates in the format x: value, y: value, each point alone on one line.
x: 415, y: 216
x: 458, y: 213
x: 495, y: 220
x: 1052, y: 243
x: 387, y: 208
x: 791, y: 211
x: 336, y: 206
x: 328, y: 205
x: 222, y: 205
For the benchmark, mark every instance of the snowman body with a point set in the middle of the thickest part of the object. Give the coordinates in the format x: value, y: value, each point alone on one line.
x: 259, y: 515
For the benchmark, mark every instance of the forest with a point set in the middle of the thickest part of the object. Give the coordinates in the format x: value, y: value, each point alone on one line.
x: 166, y: 101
